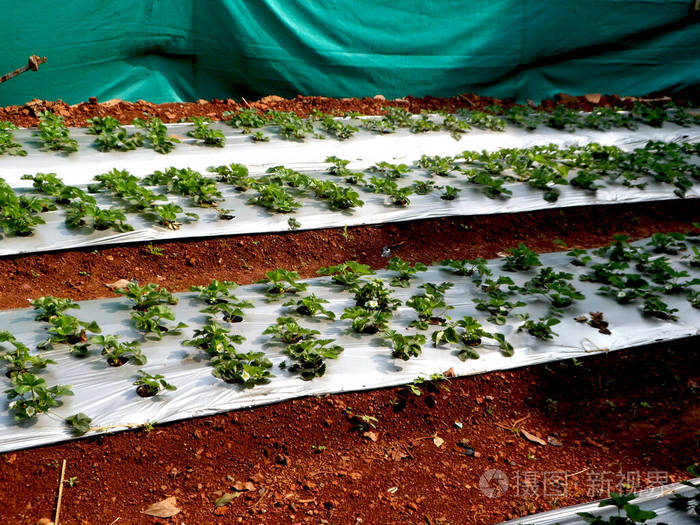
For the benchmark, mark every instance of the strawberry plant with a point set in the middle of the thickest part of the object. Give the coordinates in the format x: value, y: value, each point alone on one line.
x: 424, y: 124
x: 157, y: 134
x: 54, y: 133
x: 633, y: 514
x: 203, y: 191
x: 441, y: 166
x: 564, y: 118
x: 166, y: 215
x: 523, y: 117
x: 204, y: 132
x: 118, y: 353
x: 291, y: 126
x: 390, y: 171
x: 79, y: 423
x: 30, y: 396
x: 423, y: 187
x: 338, y: 129
x: 546, y: 177
x: 281, y: 282
x: 554, y: 286
x: 397, y: 117
x: 482, y: 120
x: 521, y: 259
x: 235, y: 174
x: 78, y: 212
x: 688, y: 503
x: 456, y: 127
x: 216, y: 292
x: 247, y: 370
x: 127, y: 187
x: 232, y: 312
x: 405, y: 271
x: 146, y: 296
x: 540, y: 328
x: 19, y: 360
x: 580, y: 257
x: 603, y: 118
x: 586, y: 180
x: 148, y: 385
x: 694, y: 258
x: 152, y: 321
x: 275, y: 198
x: 469, y: 332
x: 111, y: 135
x: 405, y: 346
x: 669, y: 243
x: 246, y: 119
x: 214, y: 339
x: 310, y: 356
x: 366, y: 321
x: 66, y: 329
x: 475, y: 268
x: 492, y: 187
x: 429, y: 304
x: 450, y: 193
x: 339, y: 167
x: 50, y: 307
x: 339, y: 198
x: 15, y: 219
x: 399, y: 196
x: 310, y: 306
x: 49, y: 184
x: 259, y: 136
x: 346, y: 274
x: 374, y: 295
x: 7, y: 140
x: 287, y: 330
x: 498, y: 306
x: 654, y: 306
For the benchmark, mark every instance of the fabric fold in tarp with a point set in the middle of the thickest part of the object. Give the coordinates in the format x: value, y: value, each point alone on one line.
x: 186, y: 50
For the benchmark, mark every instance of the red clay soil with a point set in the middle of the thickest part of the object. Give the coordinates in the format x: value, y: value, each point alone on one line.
x: 245, y: 258
x: 76, y: 115
x: 302, y: 461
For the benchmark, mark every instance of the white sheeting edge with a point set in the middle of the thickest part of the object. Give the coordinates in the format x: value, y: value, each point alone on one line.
x: 108, y: 396
x: 656, y: 499
x: 365, y: 148
x: 315, y: 214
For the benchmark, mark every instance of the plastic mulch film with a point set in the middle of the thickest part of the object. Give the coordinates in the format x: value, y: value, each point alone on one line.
x: 364, y: 151
x: 107, y: 394
x: 656, y: 499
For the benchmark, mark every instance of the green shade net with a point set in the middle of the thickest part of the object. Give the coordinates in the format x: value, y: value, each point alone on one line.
x: 186, y: 50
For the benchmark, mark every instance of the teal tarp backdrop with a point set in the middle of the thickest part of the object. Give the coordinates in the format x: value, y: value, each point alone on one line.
x: 190, y: 49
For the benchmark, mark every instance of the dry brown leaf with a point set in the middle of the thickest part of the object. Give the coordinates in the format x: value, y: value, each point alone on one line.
x: 163, y: 509
x: 533, y: 438
x: 373, y: 436
x: 241, y: 486
x: 118, y: 285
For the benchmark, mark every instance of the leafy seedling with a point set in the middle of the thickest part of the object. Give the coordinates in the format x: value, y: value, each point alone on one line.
x: 149, y: 385
x: 310, y: 306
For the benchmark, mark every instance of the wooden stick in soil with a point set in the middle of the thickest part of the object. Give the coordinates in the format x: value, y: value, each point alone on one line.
x: 60, y: 493
x: 33, y: 63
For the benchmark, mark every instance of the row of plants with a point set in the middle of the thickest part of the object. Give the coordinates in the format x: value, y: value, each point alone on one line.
x: 111, y: 135
x: 281, y: 190
x: 644, y: 275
